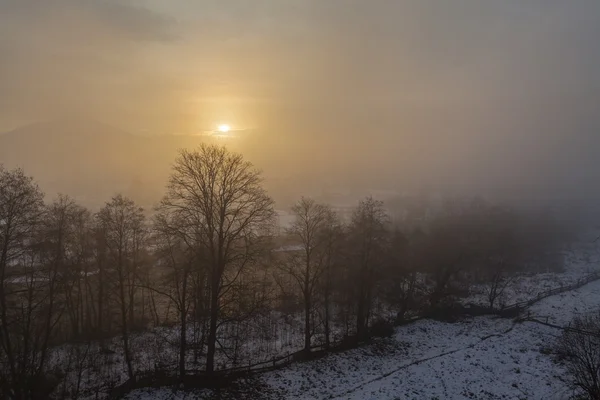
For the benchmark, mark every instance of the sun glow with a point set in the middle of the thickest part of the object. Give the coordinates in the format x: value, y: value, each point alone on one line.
x: 223, y: 128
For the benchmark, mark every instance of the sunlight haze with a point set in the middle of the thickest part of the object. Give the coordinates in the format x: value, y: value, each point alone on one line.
x: 488, y: 97
x: 299, y: 199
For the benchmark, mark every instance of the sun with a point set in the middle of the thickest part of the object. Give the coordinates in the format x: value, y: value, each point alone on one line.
x: 223, y: 128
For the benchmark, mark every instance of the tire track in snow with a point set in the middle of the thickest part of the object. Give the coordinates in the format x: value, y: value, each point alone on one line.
x: 417, y: 362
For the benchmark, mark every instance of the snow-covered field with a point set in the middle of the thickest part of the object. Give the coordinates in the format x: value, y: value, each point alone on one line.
x: 482, y: 358
x: 479, y: 358
x: 580, y: 261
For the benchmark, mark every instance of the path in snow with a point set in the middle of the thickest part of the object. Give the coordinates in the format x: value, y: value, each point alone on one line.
x: 508, y: 362
x: 419, y: 362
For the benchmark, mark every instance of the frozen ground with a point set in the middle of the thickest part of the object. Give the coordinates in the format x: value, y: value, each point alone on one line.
x: 480, y: 358
x: 579, y: 261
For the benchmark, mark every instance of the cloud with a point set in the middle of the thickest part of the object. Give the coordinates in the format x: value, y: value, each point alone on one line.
x: 70, y: 56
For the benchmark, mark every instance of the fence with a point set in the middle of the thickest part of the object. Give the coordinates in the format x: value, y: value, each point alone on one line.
x: 515, y: 309
x: 219, y: 378
x: 563, y: 328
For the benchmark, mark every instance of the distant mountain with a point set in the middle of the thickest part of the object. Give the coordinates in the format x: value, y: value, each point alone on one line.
x: 92, y: 161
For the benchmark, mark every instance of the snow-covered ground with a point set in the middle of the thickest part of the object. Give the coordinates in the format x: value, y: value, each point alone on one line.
x: 425, y: 360
x: 580, y: 261
x: 479, y: 358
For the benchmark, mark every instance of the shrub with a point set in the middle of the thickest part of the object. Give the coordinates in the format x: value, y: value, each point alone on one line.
x: 579, y: 348
x: 382, y: 328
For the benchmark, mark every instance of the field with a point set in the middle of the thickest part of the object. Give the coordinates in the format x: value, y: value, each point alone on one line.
x: 476, y: 358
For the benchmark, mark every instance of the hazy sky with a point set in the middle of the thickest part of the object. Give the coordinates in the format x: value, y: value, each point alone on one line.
x: 476, y: 84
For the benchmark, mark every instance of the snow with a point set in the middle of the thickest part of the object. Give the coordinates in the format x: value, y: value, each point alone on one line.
x: 478, y: 358
x: 562, y: 308
x: 481, y: 358
x: 579, y: 262
x: 27, y: 279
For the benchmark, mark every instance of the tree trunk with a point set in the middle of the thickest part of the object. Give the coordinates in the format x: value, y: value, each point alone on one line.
x: 154, y: 310
x: 360, y: 318
x: 361, y: 307
x: 307, y: 301
x: 212, y: 332
x: 100, y: 326
x: 183, y: 334
x: 307, y: 334
x: 327, y: 329
x: 4, y: 334
x: 80, y: 309
x: 125, y: 331
x: 131, y: 305
x: 126, y: 342
x: 182, y: 343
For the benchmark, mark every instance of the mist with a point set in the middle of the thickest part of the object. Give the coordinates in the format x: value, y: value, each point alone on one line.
x: 496, y: 99
x: 299, y: 199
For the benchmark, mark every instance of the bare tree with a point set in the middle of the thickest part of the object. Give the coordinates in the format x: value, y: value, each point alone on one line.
x: 580, y: 347
x: 83, y: 270
x: 332, y: 238
x: 500, y: 251
x: 69, y: 227
x: 177, y: 257
x: 368, y: 240
x: 21, y: 203
x: 123, y: 225
x: 306, y: 266
x: 57, y: 254
x: 100, y: 261
x: 220, y: 194
x: 401, y: 275
x: 449, y: 249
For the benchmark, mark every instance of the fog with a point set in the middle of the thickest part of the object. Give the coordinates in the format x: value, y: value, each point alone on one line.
x: 349, y: 199
x: 492, y: 98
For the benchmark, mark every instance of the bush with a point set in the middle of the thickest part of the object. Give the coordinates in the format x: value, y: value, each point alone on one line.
x: 579, y: 348
x: 450, y: 313
x: 382, y: 328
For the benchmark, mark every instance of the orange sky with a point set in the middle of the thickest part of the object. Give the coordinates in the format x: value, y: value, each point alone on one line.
x: 423, y: 85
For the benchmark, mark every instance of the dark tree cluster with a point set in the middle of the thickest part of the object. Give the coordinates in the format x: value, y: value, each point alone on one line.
x: 204, y: 281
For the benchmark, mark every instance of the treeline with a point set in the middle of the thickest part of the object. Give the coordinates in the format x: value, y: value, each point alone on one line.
x: 209, y: 267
